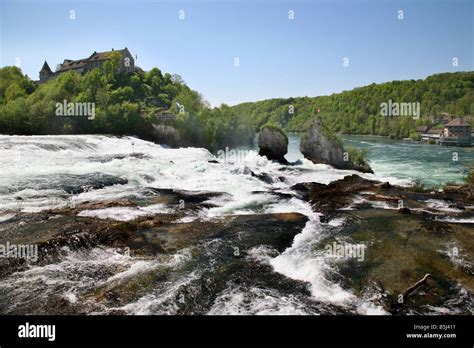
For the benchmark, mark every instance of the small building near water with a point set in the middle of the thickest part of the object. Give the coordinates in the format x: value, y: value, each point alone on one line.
x: 457, y: 133
x: 432, y: 136
x: 421, y: 129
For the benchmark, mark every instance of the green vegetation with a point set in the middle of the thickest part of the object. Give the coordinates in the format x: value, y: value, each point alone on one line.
x: 415, y: 136
x: 358, y: 111
x: 467, y: 183
x: 276, y: 129
x: 470, y: 179
x: 358, y: 156
x: 125, y: 104
x: 129, y: 103
x: 328, y: 133
x: 417, y: 186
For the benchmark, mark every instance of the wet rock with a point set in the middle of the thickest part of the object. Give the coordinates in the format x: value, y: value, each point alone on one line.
x: 263, y: 177
x: 167, y: 135
x: 320, y: 145
x: 384, y: 197
x: 220, y: 249
x: 328, y: 198
x: 273, y: 143
x: 464, y: 189
x: 225, y: 264
x: 75, y: 208
x: 188, y: 198
x: 385, y: 184
x: 276, y: 230
x: 145, y: 235
x: 399, y: 252
x: 457, y: 206
x: 72, y: 183
x: 324, y: 219
x: 304, y: 188
x: 109, y: 158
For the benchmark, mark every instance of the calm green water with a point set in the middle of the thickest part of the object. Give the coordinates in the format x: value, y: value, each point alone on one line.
x: 432, y: 164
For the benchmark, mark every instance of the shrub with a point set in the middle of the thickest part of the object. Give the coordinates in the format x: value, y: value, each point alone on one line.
x: 276, y: 129
x: 358, y: 156
x: 469, y: 179
x: 415, y: 136
x: 417, y: 186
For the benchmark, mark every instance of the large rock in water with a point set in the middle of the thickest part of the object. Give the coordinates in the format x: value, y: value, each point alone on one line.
x: 320, y: 145
x: 273, y: 143
x: 166, y: 135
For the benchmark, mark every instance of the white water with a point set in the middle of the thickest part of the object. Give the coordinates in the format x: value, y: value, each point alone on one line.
x: 30, y: 164
x: 125, y: 213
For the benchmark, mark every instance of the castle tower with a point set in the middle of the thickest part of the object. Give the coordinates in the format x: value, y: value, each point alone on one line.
x: 45, y: 73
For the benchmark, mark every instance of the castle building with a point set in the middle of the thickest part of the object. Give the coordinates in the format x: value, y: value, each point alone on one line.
x: 45, y: 73
x: 95, y: 60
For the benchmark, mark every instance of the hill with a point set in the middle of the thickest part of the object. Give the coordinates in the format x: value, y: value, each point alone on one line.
x: 359, y: 111
x: 132, y: 104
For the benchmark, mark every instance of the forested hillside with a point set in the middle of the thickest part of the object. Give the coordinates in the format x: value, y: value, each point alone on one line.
x: 358, y: 111
x: 125, y: 104
x: 130, y: 103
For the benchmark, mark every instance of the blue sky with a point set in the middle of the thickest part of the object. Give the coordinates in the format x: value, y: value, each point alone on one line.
x: 278, y: 56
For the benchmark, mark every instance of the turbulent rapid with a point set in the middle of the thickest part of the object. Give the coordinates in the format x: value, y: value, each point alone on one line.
x: 249, y: 265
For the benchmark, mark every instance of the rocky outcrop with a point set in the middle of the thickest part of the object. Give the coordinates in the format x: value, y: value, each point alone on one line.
x: 167, y: 135
x: 329, y: 199
x: 463, y: 191
x: 273, y: 143
x: 407, y: 247
x: 338, y: 194
x: 396, y: 251
x: 320, y: 145
x: 404, y: 236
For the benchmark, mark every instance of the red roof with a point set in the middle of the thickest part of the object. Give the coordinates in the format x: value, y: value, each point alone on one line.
x: 435, y: 131
x: 72, y: 64
x: 76, y: 64
x: 421, y: 129
x: 457, y: 122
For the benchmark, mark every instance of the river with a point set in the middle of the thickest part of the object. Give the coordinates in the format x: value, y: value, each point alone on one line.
x: 42, y: 173
x: 405, y: 160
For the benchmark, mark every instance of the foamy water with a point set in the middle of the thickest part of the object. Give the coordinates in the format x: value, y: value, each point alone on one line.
x: 43, y: 172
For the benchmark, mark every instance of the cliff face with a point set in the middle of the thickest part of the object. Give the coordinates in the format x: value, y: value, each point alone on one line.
x: 320, y: 145
x: 273, y: 143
